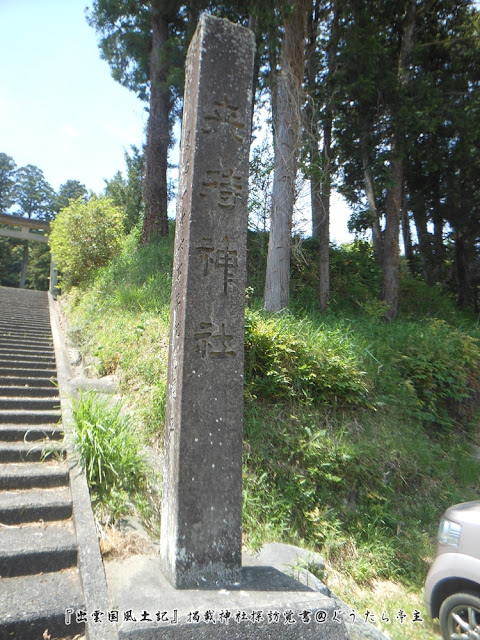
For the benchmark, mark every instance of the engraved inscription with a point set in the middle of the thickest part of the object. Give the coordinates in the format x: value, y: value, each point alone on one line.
x: 178, y: 273
x: 226, y: 186
x: 213, y: 342
x: 224, y: 259
x: 225, y: 114
x: 204, y: 252
x: 227, y: 261
x: 186, y: 152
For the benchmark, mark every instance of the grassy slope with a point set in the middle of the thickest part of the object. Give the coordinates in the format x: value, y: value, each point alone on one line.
x: 358, y: 433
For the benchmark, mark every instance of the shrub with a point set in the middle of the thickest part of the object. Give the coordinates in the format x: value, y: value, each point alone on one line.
x: 356, y: 277
x: 84, y: 236
x: 440, y: 363
x: 286, y: 359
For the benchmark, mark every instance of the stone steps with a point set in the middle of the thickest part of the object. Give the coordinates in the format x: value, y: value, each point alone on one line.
x: 26, y: 344
x: 25, y: 339
x: 32, y: 605
x: 27, y: 390
x: 22, y: 331
x: 25, y: 355
x: 29, y: 404
x: 21, y: 371
x: 29, y: 416
x: 30, y: 363
x: 29, y: 452
x: 30, y: 475
x: 39, y: 576
x: 27, y: 381
x: 42, y: 549
x: 19, y: 432
x: 33, y: 505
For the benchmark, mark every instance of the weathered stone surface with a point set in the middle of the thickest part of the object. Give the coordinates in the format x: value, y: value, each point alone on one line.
x: 29, y: 550
x: 268, y: 605
x: 201, y: 514
x: 32, y: 606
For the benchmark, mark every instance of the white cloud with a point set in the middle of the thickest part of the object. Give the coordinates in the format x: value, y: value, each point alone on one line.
x: 69, y: 130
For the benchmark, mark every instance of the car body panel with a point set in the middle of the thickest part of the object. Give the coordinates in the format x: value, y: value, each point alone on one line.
x: 450, y: 567
x: 456, y: 568
x: 468, y: 516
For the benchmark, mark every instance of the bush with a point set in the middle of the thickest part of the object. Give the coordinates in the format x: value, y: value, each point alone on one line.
x: 440, y: 364
x: 356, y: 278
x: 285, y: 359
x: 84, y: 236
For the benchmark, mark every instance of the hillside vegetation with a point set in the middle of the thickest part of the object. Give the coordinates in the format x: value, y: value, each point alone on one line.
x: 358, y: 433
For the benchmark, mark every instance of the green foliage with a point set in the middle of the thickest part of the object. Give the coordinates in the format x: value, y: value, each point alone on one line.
x: 109, y: 449
x: 70, y: 190
x: 288, y: 359
x: 367, y: 495
x: 440, y: 363
x: 34, y: 196
x: 418, y: 300
x: 85, y: 236
x: 127, y: 192
x: 356, y: 277
x: 138, y: 278
x: 38, y: 266
x: 120, y: 324
x: 335, y: 459
x: 306, y: 480
x: 11, y: 252
x: 10, y: 261
x: 260, y: 186
x: 7, y: 182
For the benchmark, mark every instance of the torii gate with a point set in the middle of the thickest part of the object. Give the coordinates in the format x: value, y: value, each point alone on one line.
x: 26, y: 225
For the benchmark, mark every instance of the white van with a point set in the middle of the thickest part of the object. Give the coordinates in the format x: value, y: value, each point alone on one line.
x: 452, y: 587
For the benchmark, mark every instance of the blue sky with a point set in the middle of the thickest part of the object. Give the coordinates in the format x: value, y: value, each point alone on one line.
x: 60, y: 109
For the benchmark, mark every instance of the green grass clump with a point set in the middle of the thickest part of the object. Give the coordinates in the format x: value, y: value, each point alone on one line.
x: 441, y: 363
x: 109, y: 450
x: 287, y: 358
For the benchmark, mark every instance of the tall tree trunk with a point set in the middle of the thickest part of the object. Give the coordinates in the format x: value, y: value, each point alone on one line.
x: 155, y: 223
x: 407, y: 236
x: 321, y: 165
x: 424, y: 241
x: 313, y: 130
x: 324, y: 226
x: 377, y: 236
x: 252, y: 25
x: 391, y: 258
x: 287, y: 141
x: 23, y: 270
x: 394, y: 193
x: 461, y: 270
x: 438, y: 246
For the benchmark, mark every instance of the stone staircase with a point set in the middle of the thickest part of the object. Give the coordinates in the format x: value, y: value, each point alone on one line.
x: 39, y: 576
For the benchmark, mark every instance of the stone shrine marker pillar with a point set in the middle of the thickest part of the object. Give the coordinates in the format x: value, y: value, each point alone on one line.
x: 202, y: 484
